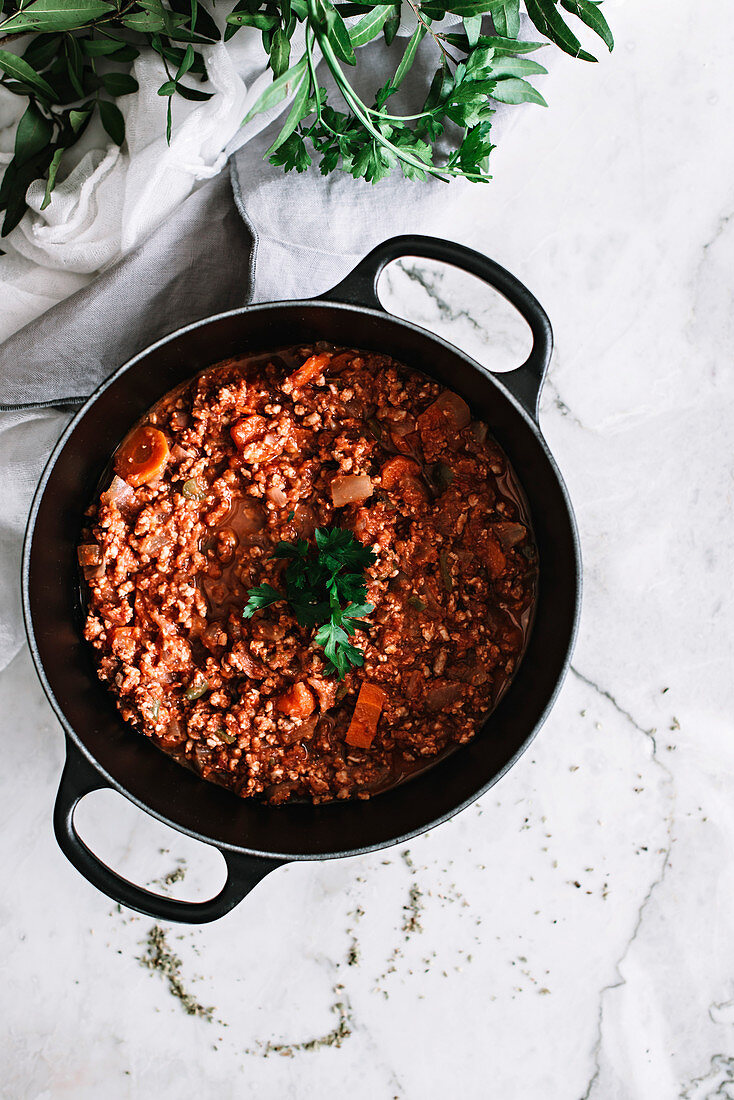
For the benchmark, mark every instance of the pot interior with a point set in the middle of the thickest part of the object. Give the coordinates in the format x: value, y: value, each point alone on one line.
x: 155, y: 781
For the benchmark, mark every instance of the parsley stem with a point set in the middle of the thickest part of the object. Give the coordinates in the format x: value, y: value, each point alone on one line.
x: 314, y: 83
x: 361, y: 111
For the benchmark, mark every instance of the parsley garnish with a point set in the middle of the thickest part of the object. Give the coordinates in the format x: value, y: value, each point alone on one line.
x: 325, y: 587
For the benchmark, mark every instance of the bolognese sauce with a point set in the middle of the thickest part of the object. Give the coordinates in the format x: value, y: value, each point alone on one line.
x: 260, y: 451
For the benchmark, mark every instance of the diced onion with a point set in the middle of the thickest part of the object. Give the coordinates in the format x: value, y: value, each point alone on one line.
x: 277, y: 496
x: 119, y: 493
x: 89, y: 554
x: 154, y: 542
x: 349, y: 489
x: 510, y: 534
x: 454, y: 407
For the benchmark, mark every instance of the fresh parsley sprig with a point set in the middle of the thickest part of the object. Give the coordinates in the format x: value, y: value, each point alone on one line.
x: 476, y: 71
x: 326, y: 589
x: 77, y: 54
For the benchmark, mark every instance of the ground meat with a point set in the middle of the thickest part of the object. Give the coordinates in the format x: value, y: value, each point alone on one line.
x: 250, y: 454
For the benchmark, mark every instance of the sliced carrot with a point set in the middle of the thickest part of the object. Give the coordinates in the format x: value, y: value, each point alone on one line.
x: 312, y: 368
x: 363, y: 727
x: 143, y: 455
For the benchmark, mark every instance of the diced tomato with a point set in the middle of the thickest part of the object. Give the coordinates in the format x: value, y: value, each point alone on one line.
x: 402, y: 475
x: 142, y: 456
x: 440, y: 424
x: 363, y: 727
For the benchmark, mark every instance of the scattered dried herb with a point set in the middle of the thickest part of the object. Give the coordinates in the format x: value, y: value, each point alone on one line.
x: 333, y: 1038
x: 413, y: 910
x: 159, y: 957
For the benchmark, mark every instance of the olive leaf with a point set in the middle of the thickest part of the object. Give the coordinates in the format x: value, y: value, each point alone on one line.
x: 19, y: 68
x: 51, y: 182
x: 112, y: 120
x: 55, y: 15
x: 33, y: 134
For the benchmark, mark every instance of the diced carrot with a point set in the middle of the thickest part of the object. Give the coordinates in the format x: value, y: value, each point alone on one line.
x: 297, y: 702
x: 496, y: 560
x: 312, y: 368
x: 143, y: 455
x: 363, y: 727
x: 246, y: 429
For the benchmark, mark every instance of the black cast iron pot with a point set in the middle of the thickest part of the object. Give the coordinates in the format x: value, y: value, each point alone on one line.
x: 102, y: 752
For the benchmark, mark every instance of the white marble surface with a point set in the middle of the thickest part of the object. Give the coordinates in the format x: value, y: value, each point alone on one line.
x: 575, y: 936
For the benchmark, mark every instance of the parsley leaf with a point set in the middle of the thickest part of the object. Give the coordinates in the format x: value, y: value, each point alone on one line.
x: 326, y: 589
x: 260, y: 597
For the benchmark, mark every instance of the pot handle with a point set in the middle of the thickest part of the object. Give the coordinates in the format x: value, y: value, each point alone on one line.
x: 80, y: 778
x: 360, y: 289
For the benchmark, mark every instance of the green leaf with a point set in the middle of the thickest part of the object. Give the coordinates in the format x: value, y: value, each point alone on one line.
x: 262, y: 596
x: 473, y: 28
x: 126, y: 52
x: 516, y: 66
x: 56, y: 15
x: 197, y: 18
x: 589, y: 14
x: 168, y: 88
x: 112, y: 120
x: 117, y: 84
x: 296, y: 113
x: 75, y: 67
x: 252, y: 19
x: 506, y: 18
x: 194, y: 94
x: 338, y: 34
x: 15, y: 66
x: 99, y: 47
x: 34, y: 133
x: 497, y: 43
x: 80, y: 117
x: 369, y: 26
x: 544, y: 15
x: 15, y: 183
x: 279, y: 90
x: 514, y: 90
x: 42, y: 50
x: 292, y: 155
x: 144, y: 22
x: 51, y: 181
x: 409, y: 56
x: 280, y: 51
x: 186, y: 62
x: 392, y: 24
